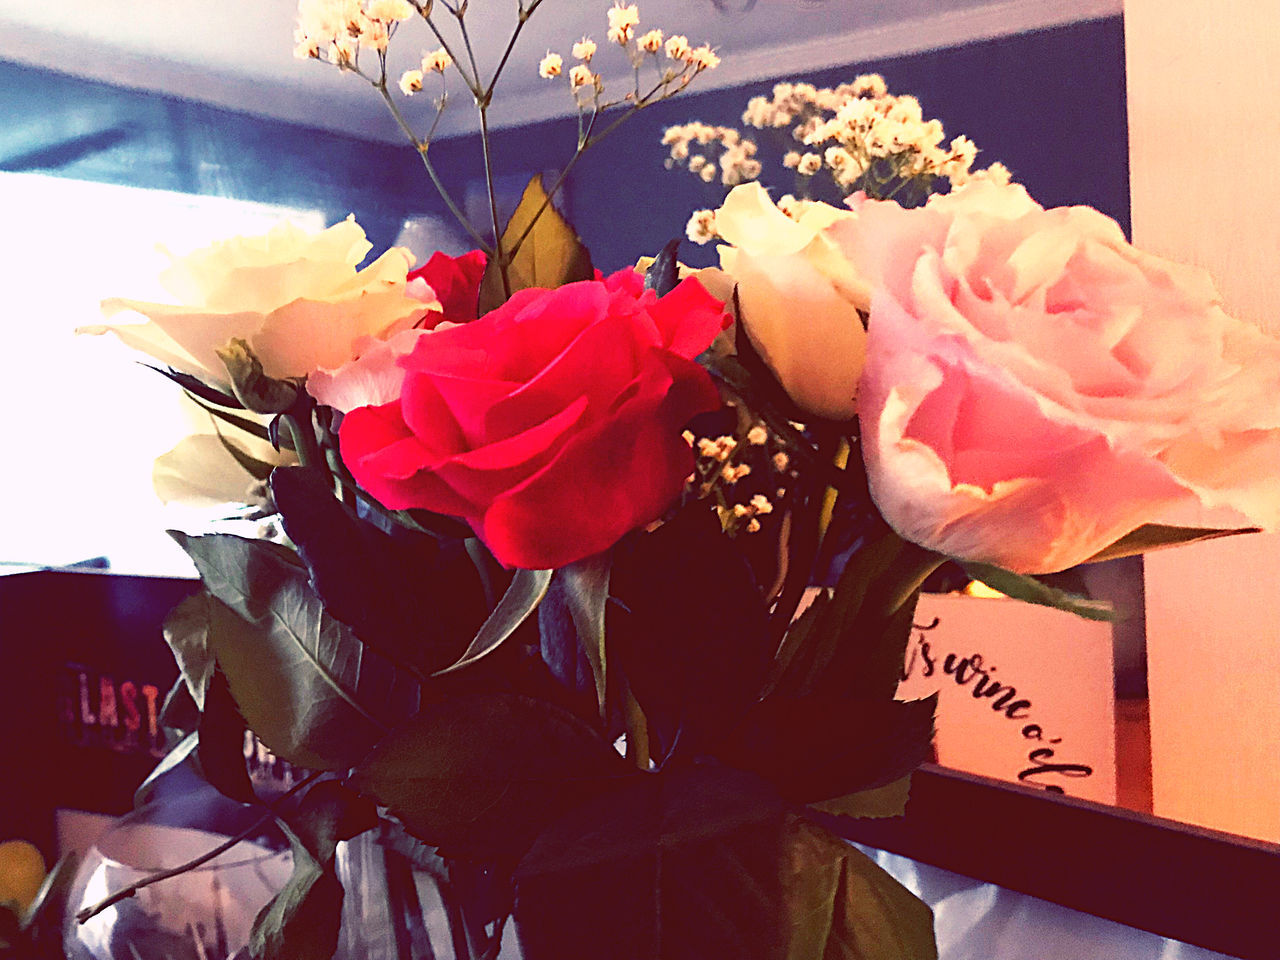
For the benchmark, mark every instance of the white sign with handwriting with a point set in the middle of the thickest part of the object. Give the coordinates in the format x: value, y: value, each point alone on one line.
x: 1025, y: 693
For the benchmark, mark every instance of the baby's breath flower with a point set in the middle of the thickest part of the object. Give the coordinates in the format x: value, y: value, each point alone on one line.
x: 581, y: 76
x: 753, y: 526
x: 622, y: 23
x: 760, y: 504
x: 437, y: 61
x: 707, y: 448
x: 550, y: 66
x: 584, y: 49
x: 809, y: 164
x: 703, y: 58
x: 701, y: 228
x: 758, y: 435
x: 390, y: 11
x: 708, y: 173
x: 791, y: 160
x: 780, y: 462
x: 677, y: 47
x: 651, y: 42
x: 687, y: 437
x: 410, y: 82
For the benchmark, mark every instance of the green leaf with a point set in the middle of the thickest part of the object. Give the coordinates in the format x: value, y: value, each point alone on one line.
x: 1028, y: 589
x: 408, y: 595
x: 571, y: 622
x: 186, y: 630
x: 664, y: 273
x: 480, y: 775
x: 551, y: 255
x: 707, y: 862
x: 527, y: 589
x: 302, y: 921
x: 221, y: 743
x: 877, y: 803
x: 179, y: 714
x: 252, y: 387
x: 258, y: 469
x: 174, y: 758
x: 689, y: 630
x: 1153, y: 536
x: 853, y: 646
x: 814, y: 748
x: 251, y: 427
x: 872, y: 915
x: 198, y: 387
x: 47, y: 911
x: 310, y: 690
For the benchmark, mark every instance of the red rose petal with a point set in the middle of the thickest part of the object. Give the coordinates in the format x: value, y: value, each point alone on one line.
x: 689, y: 318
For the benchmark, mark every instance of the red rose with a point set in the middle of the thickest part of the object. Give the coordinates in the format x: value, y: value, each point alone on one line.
x: 551, y: 424
x: 456, y: 283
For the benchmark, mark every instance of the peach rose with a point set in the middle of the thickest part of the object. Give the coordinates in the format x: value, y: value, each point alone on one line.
x: 1036, y: 388
x: 799, y: 296
x: 296, y: 297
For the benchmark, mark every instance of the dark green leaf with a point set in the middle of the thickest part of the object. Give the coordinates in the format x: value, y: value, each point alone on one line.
x: 179, y: 714
x: 571, y: 625
x: 551, y: 255
x: 176, y: 756
x: 664, y: 273
x: 198, y: 388
x: 1028, y: 589
x: 252, y: 387
x: 310, y: 690
x: 707, y: 862
x: 46, y: 912
x: 527, y: 589
x: 258, y: 469
x: 329, y: 813
x: 302, y: 921
x: 889, y: 800
x: 690, y: 630
x: 1153, y: 536
x: 815, y: 748
x: 221, y: 743
x: 186, y: 630
x: 479, y: 775
x: 251, y: 427
x: 854, y: 646
x: 405, y: 594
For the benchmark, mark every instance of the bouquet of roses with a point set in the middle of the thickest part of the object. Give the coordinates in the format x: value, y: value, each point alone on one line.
x: 538, y: 590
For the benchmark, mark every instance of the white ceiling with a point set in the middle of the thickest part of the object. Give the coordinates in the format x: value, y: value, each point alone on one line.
x: 238, y: 53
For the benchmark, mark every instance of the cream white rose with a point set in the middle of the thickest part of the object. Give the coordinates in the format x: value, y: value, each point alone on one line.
x: 799, y: 294
x: 296, y: 298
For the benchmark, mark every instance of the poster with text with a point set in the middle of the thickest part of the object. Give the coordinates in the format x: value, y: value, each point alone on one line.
x: 1025, y: 693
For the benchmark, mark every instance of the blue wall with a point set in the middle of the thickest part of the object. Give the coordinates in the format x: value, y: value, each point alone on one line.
x: 1050, y: 105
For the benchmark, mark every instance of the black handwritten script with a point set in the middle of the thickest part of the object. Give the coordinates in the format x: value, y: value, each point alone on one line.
x: 973, y: 672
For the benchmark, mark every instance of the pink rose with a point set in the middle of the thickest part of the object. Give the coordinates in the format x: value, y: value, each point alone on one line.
x: 1036, y: 388
x: 450, y: 283
x: 552, y: 424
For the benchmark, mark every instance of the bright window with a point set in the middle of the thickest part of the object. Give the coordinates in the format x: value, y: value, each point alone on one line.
x: 83, y: 422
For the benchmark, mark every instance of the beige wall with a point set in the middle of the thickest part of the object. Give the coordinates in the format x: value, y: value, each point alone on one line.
x: 1204, y: 138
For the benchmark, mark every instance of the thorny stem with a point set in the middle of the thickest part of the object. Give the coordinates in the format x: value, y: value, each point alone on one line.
x: 88, y: 913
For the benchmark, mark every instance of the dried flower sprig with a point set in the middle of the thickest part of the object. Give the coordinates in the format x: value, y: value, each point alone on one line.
x: 339, y: 32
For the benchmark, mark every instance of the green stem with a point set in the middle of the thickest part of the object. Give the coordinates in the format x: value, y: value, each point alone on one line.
x: 421, y: 146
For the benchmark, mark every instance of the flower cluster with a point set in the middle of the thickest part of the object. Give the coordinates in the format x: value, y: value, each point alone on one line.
x: 710, y: 152
x: 337, y: 30
x: 684, y: 61
x: 724, y: 464
x: 858, y: 134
